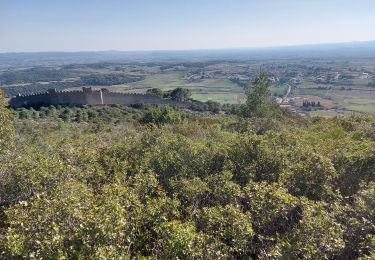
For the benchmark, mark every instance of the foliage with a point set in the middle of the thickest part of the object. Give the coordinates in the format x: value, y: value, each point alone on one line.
x: 259, y: 101
x: 6, y: 125
x: 162, y: 115
x: 212, y: 106
x: 156, y: 92
x: 89, y: 114
x: 179, y: 94
x: 104, y: 182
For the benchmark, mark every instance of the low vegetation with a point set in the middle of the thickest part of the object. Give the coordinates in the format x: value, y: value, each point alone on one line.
x: 114, y: 182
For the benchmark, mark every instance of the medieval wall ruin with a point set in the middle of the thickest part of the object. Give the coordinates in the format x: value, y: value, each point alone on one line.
x: 88, y: 96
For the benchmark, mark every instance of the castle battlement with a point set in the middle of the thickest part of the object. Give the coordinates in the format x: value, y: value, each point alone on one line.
x: 88, y: 96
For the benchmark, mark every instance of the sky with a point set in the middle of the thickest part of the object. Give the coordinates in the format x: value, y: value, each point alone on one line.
x: 129, y: 25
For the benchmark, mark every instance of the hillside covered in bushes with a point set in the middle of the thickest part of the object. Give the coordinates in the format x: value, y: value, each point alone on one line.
x: 112, y: 182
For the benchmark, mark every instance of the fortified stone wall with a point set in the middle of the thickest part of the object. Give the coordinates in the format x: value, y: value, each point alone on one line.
x: 28, y: 100
x: 53, y: 97
x: 88, y: 97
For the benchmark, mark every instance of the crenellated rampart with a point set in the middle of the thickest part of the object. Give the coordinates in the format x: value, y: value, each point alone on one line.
x: 88, y: 96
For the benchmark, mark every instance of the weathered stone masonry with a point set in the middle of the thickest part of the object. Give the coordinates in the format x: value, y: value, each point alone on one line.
x: 88, y: 96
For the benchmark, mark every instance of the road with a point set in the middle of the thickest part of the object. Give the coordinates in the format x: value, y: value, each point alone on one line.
x: 286, y: 98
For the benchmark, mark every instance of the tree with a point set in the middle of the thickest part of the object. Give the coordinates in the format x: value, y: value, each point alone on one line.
x: 155, y: 92
x: 65, y: 115
x: 259, y: 101
x: 212, y: 106
x: 180, y: 94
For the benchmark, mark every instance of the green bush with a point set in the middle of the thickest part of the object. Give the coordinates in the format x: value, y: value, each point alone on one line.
x: 162, y: 115
x: 103, y: 185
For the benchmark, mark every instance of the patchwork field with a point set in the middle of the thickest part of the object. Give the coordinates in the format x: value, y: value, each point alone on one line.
x: 342, y: 86
x: 350, y: 99
x: 355, y: 100
x: 358, y: 104
x: 215, y: 89
x: 310, y: 92
x: 330, y: 113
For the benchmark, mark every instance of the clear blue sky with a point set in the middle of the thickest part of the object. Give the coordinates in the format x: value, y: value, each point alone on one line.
x: 75, y: 25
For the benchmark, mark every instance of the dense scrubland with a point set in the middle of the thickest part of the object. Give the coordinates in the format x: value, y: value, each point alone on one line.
x: 115, y: 182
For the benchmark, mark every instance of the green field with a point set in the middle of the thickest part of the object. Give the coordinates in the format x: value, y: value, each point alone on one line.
x: 358, y: 104
x: 216, y: 89
x: 310, y: 92
x: 330, y: 113
x: 230, y: 98
x: 355, y: 100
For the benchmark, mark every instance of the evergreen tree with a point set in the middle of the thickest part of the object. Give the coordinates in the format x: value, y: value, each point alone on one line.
x: 259, y: 101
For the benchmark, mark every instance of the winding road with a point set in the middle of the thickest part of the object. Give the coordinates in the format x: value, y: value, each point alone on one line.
x: 286, y: 98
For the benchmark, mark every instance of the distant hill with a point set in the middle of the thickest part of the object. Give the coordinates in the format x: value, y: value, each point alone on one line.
x: 337, y: 50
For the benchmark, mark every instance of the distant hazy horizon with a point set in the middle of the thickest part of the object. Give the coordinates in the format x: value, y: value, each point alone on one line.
x: 167, y: 25
x: 291, y: 46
